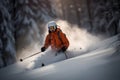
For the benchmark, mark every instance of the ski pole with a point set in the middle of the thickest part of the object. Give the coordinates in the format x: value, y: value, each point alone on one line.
x: 30, y: 56
x: 66, y: 55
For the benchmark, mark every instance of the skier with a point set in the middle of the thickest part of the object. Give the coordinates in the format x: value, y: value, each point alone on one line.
x: 56, y: 39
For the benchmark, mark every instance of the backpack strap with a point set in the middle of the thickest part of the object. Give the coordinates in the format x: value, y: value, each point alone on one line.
x: 58, y: 33
x: 60, y: 36
x: 49, y: 38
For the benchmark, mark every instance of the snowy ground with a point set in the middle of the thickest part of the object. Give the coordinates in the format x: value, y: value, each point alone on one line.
x: 101, y: 62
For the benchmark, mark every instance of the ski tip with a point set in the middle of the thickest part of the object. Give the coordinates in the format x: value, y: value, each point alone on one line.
x: 21, y: 60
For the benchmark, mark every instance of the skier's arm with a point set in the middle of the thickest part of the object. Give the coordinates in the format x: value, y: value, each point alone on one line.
x: 64, y: 40
x: 47, y: 42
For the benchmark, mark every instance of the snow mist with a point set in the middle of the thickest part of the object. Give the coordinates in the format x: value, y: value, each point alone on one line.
x: 79, y: 38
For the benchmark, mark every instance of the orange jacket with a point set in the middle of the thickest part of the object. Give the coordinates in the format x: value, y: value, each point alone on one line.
x: 56, y: 40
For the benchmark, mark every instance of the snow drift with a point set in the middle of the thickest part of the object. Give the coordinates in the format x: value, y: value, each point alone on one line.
x: 102, y: 63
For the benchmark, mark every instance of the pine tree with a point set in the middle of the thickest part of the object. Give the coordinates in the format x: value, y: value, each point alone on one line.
x: 106, y: 16
x: 7, y: 41
x: 30, y: 19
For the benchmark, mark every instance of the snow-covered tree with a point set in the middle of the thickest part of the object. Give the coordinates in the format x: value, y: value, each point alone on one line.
x: 7, y: 41
x: 106, y: 16
x: 96, y: 16
x: 30, y: 19
x: 22, y: 22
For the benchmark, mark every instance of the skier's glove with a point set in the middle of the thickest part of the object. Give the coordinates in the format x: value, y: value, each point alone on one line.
x: 63, y: 48
x: 43, y: 49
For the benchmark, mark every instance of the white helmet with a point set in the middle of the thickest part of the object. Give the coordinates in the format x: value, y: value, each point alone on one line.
x: 52, y: 24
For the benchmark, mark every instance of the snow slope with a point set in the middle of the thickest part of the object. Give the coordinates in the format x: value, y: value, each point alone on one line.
x: 100, y: 63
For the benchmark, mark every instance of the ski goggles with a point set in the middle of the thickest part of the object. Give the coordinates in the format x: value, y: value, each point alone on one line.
x: 52, y: 28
